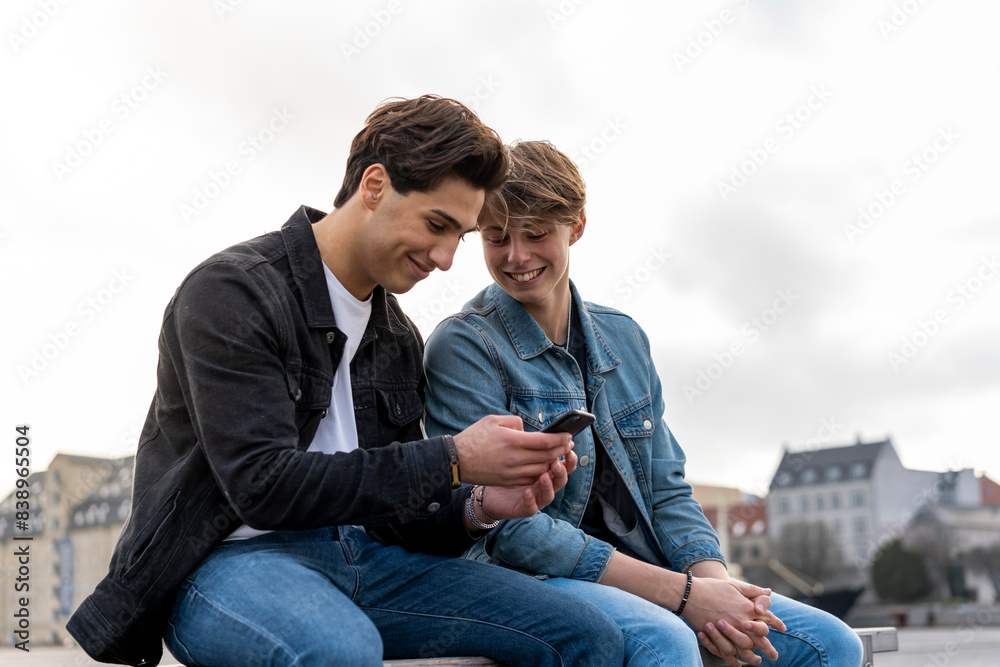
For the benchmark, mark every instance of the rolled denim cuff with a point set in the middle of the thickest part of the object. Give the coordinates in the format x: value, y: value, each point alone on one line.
x: 593, y: 560
x: 694, y: 552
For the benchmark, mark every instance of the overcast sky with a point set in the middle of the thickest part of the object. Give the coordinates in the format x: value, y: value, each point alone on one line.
x: 796, y: 200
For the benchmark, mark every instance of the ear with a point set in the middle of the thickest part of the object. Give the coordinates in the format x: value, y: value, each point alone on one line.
x: 578, y: 230
x: 374, y: 185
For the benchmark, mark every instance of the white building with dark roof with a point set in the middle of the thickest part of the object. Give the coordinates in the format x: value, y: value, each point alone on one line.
x: 855, y: 498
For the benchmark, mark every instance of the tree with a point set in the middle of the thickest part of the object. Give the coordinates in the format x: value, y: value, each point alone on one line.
x: 900, y: 575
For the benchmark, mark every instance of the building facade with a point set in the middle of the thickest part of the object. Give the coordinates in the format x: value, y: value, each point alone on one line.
x: 76, y: 515
x: 831, y: 510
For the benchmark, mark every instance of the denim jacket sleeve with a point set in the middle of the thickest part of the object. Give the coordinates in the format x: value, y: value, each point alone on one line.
x: 465, y: 382
x: 679, y: 523
x: 231, y: 350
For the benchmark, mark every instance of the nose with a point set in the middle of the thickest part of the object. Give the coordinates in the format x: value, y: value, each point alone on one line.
x: 443, y: 254
x: 517, y: 251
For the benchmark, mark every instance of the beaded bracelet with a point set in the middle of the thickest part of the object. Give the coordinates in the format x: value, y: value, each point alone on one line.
x: 687, y: 592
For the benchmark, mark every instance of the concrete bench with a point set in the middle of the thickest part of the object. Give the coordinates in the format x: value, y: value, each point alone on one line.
x: 875, y: 640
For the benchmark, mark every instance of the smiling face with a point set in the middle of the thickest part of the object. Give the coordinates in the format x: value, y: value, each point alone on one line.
x: 408, y: 236
x: 529, y: 259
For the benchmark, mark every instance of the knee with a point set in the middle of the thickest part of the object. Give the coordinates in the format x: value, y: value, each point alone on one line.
x: 836, y: 645
x: 845, y: 647
x: 604, y: 637
x: 661, y: 641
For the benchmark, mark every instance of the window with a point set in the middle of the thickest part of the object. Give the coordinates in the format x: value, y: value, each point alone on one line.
x: 820, y: 503
x: 835, y: 501
x: 859, y: 470
x: 809, y: 476
x: 783, y: 478
x: 783, y: 507
x: 858, y: 499
x: 837, y: 527
x: 834, y: 473
x: 860, y: 525
x: 804, y: 503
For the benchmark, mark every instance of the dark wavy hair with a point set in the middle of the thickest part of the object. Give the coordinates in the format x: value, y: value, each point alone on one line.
x: 422, y: 141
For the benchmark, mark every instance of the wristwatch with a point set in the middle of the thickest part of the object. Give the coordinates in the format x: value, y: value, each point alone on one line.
x: 456, y: 480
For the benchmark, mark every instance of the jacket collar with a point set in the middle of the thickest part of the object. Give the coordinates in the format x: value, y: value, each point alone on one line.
x: 529, y: 340
x: 307, y: 272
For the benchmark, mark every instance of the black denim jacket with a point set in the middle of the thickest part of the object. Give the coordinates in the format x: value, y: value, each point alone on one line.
x: 248, y: 351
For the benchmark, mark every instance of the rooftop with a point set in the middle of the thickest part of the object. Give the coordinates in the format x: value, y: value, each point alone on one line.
x: 830, y: 465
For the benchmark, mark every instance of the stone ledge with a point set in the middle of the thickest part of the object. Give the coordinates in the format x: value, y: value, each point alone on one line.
x: 875, y: 640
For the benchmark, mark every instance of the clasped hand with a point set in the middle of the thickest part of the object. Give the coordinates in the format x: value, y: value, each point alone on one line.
x: 734, y: 617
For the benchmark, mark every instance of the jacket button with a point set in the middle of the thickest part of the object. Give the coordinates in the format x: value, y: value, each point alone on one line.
x: 298, y: 394
x: 647, y: 424
x: 434, y: 507
x: 330, y: 336
x: 584, y: 460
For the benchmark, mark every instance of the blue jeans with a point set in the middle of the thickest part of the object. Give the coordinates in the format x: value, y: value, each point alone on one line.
x: 334, y: 596
x: 656, y: 636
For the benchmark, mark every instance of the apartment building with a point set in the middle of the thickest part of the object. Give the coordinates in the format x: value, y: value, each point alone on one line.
x: 841, y: 504
x: 77, y: 511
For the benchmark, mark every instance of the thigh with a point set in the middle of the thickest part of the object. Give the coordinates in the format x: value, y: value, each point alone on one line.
x: 269, y: 604
x: 653, y: 635
x: 814, y: 638
x: 429, y: 606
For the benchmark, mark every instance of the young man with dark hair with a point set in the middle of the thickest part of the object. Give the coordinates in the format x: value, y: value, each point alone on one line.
x: 286, y: 509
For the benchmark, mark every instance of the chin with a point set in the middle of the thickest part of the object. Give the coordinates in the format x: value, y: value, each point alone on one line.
x: 397, y: 289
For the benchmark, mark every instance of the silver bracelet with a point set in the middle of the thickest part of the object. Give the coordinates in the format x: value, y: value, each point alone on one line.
x: 470, y: 511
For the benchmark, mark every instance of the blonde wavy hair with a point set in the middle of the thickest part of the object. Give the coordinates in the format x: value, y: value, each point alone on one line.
x: 543, y: 185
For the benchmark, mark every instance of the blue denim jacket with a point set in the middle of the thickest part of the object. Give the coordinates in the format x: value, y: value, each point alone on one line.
x: 493, y: 358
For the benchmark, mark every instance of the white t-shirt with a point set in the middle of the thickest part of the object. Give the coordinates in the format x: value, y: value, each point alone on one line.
x: 337, y: 432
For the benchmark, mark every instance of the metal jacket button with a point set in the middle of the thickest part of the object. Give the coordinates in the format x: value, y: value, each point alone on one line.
x: 584, y: 460
x: 330, y: 336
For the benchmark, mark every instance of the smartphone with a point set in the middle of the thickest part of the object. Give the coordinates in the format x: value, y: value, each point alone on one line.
x: 572, y: 422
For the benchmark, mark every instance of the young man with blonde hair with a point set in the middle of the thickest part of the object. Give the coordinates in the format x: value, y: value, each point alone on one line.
x: 625, y: 534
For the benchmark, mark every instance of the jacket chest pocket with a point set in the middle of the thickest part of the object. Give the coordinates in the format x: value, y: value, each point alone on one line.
x: 636, y: 421
x: 309, y: 390
x: 634, y: 425
x: 538, y: 412
x: 400, y: 406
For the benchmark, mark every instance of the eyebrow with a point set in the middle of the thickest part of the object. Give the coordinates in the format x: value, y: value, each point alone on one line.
x: 453, y: 222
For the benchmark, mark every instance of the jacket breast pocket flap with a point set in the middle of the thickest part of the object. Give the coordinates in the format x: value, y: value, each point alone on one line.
x: 636, y: 421
x: 402, y: 405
